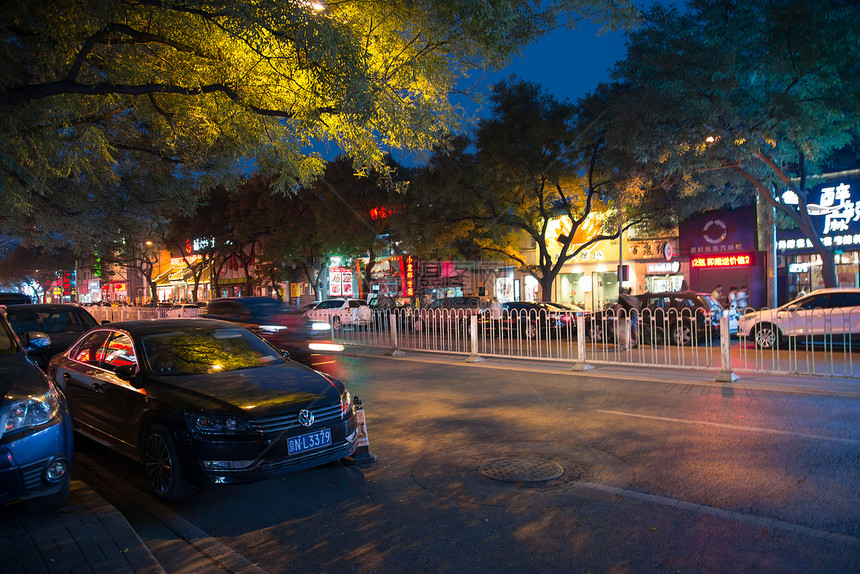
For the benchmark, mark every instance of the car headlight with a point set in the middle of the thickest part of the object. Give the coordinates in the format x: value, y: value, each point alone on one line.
x: 217, y: 424
x: 320, y: 326
x: 32, y: 411
x: 345, y: 401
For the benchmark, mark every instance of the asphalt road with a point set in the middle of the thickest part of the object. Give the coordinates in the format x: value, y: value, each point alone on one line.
x: 668, y: 476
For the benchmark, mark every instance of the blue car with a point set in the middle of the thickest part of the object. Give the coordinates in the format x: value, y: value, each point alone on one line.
x: 35, y: 430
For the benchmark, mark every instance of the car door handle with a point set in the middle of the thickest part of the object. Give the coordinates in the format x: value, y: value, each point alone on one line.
x: 98, y: 387
x: 67, y: 376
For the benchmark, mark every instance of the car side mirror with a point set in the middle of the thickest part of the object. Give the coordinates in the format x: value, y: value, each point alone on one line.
x: 128, y: 373
x: 36, y: 340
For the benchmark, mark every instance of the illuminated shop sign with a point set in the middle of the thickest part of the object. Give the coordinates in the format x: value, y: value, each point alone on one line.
x: 721, y: 261
x: 836, y: 217
x: 340, y: 282
x: 199, y: 244
x: 407, y: 275
x: 663, y: 267
x: 798, y: 267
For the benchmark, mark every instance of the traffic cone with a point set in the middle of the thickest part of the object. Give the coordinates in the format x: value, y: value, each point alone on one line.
x: 362, y: 454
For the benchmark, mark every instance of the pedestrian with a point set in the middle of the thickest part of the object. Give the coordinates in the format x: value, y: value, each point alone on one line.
x: 627, y: 311
x: 717, y: 294
x: 743, y: 299
x: 733, y: 298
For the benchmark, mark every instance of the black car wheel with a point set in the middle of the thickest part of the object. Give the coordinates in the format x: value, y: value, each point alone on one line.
x: 595, y: 332
x: 530, y: 330
x: 682, y: 335
x: 162, y: 466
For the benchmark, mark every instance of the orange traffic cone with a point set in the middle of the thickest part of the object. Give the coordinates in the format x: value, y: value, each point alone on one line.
x: 362, y: 454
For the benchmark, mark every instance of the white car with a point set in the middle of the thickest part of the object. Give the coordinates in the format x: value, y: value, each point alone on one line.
x: 340, y: 312
x: 834, y: 311
x: 180, y: 310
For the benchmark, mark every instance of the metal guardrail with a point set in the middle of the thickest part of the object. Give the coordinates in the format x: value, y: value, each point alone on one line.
x: 812, y: 342
x: 819, y: 342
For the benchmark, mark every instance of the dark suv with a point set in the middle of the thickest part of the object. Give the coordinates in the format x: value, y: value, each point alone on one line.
x: 287, y: 330
x: 680, y: 318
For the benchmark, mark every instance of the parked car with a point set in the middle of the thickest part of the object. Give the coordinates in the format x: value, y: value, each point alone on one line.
x: 676, y: 317
x: 680, y: 318
x: 285, y: 329
x: 340, y: 312
x: 36, y: 430
x: 63, y: 322
x: 825, y: 312
x: 203, y: 402
x: 530, y: 320
x: 180, y: 310
x: 448, y: 312
x: 14, y: 299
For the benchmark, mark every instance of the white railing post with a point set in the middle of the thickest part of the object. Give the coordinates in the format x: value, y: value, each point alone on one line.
x: 726, y: 375
x: 392, y: 325
x: 581, y: 364
x: 473, y: 336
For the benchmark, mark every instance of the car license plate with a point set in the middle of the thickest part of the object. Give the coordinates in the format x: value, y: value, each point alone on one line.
x: 310, y: 441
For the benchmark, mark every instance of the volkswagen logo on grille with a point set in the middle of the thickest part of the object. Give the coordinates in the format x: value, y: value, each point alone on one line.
x: 306, y: 417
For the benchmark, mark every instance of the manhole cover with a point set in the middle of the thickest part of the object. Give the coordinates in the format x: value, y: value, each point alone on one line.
x: 521, y: 469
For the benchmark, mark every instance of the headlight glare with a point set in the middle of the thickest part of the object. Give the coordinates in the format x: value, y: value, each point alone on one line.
x: 32, y: 411
x: 320, y: 326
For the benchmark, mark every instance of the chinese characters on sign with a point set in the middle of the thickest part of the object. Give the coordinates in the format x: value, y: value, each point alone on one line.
x: 340, y: 282
x: 833, y: 216
x: 722, y: 261
x: 407, y: 275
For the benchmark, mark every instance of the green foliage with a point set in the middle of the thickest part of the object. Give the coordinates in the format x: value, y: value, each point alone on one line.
x: 537, y: 160
x: 743, y: 98
x: 109, y: 106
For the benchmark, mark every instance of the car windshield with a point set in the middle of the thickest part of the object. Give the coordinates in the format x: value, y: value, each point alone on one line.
x: 206, y: 350
x: 49, y: 321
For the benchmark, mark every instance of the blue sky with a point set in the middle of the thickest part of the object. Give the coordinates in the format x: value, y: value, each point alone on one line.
x: 568, y: 63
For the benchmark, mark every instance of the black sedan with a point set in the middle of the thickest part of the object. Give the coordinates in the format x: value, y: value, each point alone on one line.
x: 64, y: 323
x: 202, y: 402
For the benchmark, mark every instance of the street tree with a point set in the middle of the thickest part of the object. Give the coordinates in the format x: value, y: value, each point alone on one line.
x: 740, y: 98
x: 112, y: 104
x: 355, y: 210
x: 543, y: 170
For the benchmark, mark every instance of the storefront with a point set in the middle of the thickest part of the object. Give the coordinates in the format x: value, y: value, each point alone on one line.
x: 720, y: 249
x: 834, y: 207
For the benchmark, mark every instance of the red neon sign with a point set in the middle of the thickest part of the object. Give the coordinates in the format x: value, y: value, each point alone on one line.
x: 407, y: 275
x: 722, y: 261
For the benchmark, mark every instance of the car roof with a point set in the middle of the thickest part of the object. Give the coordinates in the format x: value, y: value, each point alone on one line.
x: 46, y: 306
x: 154, y: 326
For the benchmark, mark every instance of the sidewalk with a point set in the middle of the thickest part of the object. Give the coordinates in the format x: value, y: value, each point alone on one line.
x: 89, y: 535
x: 86, y: 535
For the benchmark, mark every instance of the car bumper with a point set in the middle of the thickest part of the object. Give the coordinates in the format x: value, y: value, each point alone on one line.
x: 266, y: 459
x: 24, y: 462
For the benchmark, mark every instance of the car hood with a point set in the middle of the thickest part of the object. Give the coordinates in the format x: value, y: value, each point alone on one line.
x: 257, y: 392
x: 19, y: 377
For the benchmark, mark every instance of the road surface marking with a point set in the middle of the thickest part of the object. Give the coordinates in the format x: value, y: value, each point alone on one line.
x: 733, y: 427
